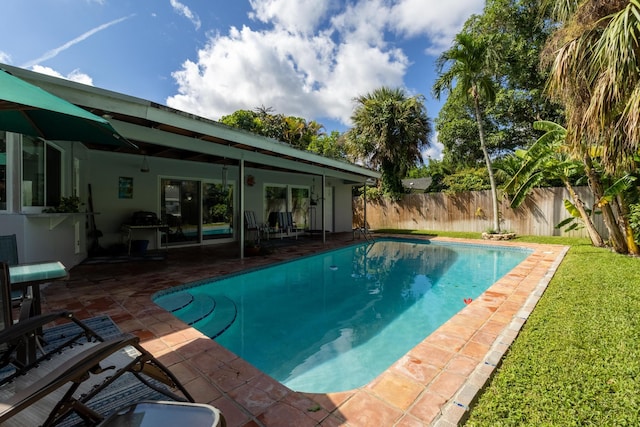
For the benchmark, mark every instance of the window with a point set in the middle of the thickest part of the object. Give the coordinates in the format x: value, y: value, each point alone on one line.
x: 217, y: 211
x: 300, y: 206
x: 41, y: 173
x: 275, y: 200
x: 294, y: 199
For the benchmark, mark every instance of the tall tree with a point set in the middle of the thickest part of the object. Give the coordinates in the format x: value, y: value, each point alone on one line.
x: 594, y: 72
x: 510, y: 27
x: 295, y: 131
x: 331, y: 145
x: 469, y: 63
x: 389, y: 133
x: 458, y: 131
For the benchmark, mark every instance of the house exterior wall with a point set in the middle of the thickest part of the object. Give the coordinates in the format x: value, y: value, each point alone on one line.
x: 64, y: 237
x: 343, y: 220
x: 105, y: 168
x: 44, y: 237
x: 161, y: 130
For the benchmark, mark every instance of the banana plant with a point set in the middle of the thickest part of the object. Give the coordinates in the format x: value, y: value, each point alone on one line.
x: 548, y: 159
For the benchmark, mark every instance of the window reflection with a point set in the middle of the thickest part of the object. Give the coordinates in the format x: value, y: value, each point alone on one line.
x: 41, y: 173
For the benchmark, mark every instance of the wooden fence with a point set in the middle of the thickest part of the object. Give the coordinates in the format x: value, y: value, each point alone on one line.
x: 472, y: 211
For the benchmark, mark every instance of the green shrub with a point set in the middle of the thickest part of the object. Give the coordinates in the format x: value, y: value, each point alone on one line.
x: 466, y: 180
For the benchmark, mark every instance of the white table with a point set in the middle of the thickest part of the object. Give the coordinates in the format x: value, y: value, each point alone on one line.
x: 128, y: 230
x: 33, y: 275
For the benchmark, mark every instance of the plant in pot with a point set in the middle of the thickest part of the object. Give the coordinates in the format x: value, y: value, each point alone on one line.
x: 491, y: 234
x: 69, y: 204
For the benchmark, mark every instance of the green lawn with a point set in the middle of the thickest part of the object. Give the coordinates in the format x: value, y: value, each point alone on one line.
x: 577, y: 360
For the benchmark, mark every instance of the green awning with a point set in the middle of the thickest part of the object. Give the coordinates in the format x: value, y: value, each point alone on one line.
x: 30, y: 110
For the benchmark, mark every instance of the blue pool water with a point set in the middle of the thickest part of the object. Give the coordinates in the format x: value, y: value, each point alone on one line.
x: 334, y: 321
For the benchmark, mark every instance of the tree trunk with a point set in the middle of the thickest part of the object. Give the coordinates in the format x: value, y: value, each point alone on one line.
x: 596, y: 238
x: 487, y: 159
x: 624, y: 211
x: 617, y: 239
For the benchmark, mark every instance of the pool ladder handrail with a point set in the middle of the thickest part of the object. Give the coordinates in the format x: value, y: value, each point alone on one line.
x: 363, y: 231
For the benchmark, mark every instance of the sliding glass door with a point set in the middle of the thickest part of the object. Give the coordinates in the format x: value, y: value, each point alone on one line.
x: 217, y: 211
x: 180, y: 210
x: 196, y: 211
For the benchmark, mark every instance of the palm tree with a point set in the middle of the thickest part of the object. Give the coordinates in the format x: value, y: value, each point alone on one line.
x: 390, y: 132
x: 469, y: 66
x: 594, y: 61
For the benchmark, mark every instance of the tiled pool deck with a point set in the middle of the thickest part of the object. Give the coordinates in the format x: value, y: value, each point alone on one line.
x: 433, y: 384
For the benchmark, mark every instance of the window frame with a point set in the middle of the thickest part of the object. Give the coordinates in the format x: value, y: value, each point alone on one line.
x: 60, y: 165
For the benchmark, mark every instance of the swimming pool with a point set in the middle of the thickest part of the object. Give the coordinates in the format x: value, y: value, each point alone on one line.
x: 334, y: 321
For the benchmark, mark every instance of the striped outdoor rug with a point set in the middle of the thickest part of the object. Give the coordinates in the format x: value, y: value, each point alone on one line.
x: 123, y: 392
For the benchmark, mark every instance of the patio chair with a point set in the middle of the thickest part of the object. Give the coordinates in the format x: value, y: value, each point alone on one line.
x: 9, y: 255
x: 251, y: 225
x: 66, y: 375
x: 284, y: 221
x: 6, y: 316
x: 291, y: 225
x: 9, y: 249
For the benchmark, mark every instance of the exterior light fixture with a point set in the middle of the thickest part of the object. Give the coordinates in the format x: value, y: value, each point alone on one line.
x: 145, y: 165
x: 225, y: 171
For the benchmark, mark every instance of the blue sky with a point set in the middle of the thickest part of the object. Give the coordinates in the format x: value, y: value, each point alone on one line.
x: 307, y: 58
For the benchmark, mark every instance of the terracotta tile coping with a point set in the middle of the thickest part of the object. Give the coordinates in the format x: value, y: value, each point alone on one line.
x: 433, y: 384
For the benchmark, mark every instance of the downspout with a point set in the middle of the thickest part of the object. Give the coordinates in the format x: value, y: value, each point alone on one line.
x: 364, y: 222
x: 324, y: 182
x: 241, y: 198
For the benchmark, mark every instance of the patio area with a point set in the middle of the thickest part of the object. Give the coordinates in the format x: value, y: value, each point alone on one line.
x: 433, y: 384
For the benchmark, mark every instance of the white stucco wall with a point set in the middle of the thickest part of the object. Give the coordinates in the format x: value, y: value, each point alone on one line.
x: 342, y: 197
x: 105, y: 168
x: 64, y: 237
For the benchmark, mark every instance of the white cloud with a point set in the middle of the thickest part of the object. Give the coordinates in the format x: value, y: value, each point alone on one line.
x: 75, y: 75
x: 315, y: 59
x: 184, y: 10
x: 5, y: 58
x: 434, y: 151
x: 440, y: 22
x: 297, y: 16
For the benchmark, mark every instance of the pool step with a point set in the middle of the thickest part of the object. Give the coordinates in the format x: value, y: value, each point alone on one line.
x: 189, y: 308
x: 175, y: 301
x: 201, y: 307
x: 223, y: 316
x: 210, y: 314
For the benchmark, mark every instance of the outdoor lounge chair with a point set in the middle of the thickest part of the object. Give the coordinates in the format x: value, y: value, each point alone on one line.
x: 283, y: 223
x: 290, y: 224
x: 251, y: 225
x: 45, y: 386
x: 64, y: 379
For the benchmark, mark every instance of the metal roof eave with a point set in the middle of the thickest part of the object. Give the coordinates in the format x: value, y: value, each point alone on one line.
x: 209, y: 128
x: 171, y: 140
x: 204, y: 131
